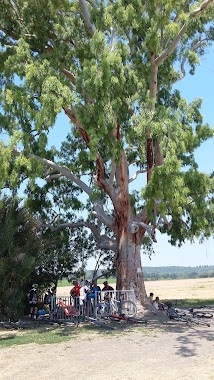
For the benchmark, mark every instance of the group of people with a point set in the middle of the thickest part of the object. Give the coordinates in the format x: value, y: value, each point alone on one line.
x: 49, y: 300
x: 86, y: 291
x: 156, y: 302
x: 79, y: 295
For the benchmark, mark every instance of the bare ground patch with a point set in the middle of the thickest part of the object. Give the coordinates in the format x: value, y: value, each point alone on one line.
x: 162, y: 351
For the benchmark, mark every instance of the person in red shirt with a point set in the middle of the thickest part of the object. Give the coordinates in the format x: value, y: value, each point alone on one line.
x: 75, y: 293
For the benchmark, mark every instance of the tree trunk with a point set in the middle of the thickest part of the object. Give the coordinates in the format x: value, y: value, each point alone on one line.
x: 128, y: 265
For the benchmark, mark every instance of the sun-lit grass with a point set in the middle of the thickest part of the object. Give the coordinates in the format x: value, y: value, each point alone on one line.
x: 58, y: 334
x: 182, y: 293
x: 63, y: 283
x: 190, y: 302
x: 38, y: 336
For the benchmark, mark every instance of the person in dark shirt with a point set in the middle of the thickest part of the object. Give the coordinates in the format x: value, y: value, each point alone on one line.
x: 107, y: 286
x: 32, y: 299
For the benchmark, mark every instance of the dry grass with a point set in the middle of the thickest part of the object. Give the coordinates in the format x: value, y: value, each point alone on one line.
x: 200, y: 288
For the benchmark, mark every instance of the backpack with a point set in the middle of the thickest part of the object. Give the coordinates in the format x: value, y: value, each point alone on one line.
x: 47, y: 299
x: 32, y: 296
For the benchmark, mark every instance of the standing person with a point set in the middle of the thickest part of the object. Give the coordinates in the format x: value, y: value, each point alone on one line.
x: 94, y: 297
x: 94, y: 288
x: 47, y: 299
x: 107, y: 286
x: 109, y: 290
x: 75, y: 293
x: 33, y: 299
x: 84, y: 291
x: 53, y: 298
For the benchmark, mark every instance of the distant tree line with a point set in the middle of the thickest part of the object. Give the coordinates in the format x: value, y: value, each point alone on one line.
x: 172, y: 273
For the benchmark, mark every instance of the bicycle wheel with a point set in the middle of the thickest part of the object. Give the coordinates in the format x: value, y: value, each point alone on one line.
x: 75, y: 312
x: 179, y: 318
x: 128, y: 309
x: 199, y: 314
x: 57, y: 313
x: 103, y: 310
x: 196, y: 321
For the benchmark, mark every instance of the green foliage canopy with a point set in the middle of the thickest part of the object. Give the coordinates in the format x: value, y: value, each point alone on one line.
x: 97, y: 61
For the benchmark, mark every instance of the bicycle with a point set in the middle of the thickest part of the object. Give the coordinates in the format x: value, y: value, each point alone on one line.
x: 113, y: 307
x: 63, y: 310
x: 200, y: 314
x: 181, y: 316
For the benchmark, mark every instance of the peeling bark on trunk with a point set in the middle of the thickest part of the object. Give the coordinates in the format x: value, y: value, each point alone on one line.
x: 128, y: 265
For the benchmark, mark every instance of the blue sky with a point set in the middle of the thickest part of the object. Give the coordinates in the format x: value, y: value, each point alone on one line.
x: 191, y: 87
x: 200, y: 85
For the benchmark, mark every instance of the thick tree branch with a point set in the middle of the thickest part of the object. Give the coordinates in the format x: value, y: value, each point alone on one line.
x: 72, y: 114
x: 103, y: 241
x: 50, y: 177
x: 186, y: 2
x: 8, y: 43
x: 102, y: 215
x: 70, y: 76
x: 100, y: 172
x: 136, y: 175
x: 63, y: 170
x: 62, y: 226
x: 87, y: 18
x: 202, y: 8
x: 173, y: 46
x: 113, y: 39
x: 112, y: 174
x: 92, y: 3
x: 148, y: 228
x: 182, y: 31
x: 193, y: 48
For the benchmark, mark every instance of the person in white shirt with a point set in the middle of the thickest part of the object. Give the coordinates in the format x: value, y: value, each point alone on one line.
x: 84, y: 303
x: 84, y: 291
x: 157, y: 304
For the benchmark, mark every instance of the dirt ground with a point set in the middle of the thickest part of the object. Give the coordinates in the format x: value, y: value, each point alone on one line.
x: 158, y: 351
x: 162, y: 351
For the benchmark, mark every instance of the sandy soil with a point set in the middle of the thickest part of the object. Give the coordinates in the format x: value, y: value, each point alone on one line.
x: 162, y: 351
x: 199, y: 288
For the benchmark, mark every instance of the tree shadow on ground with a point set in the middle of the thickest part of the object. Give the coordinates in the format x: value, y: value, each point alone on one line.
x: 188, y: 337
x: 185, y: 339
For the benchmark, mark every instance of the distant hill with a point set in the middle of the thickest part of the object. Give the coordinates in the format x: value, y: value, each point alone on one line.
x: 173, y: 272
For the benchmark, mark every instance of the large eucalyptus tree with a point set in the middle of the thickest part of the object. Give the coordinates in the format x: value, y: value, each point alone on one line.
x: 110, y: 66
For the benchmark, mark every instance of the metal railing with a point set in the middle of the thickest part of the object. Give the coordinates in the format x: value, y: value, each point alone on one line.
x: 118, y: 295
x: 88, y: 308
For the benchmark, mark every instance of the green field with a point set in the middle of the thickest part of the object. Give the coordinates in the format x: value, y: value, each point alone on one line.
x: 199, y: 291
x: 100, y: 281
